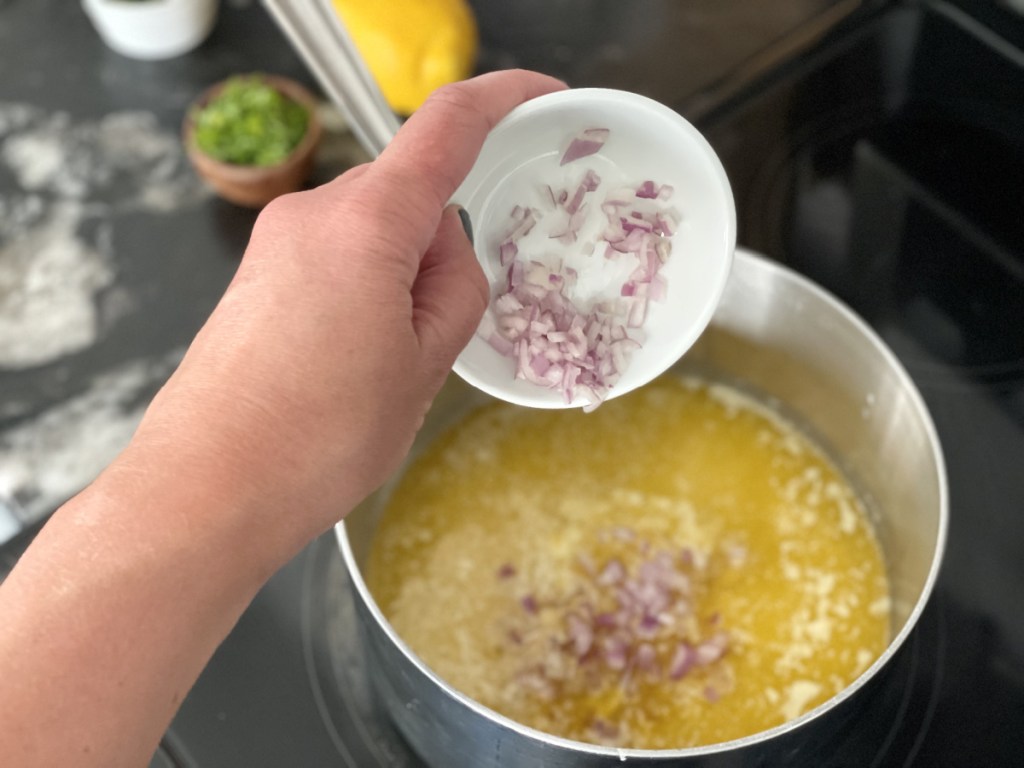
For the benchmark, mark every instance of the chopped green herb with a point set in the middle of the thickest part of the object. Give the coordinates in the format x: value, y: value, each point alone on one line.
x: 250, y: 123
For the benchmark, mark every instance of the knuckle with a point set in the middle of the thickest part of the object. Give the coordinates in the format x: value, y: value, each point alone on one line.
x: 455, y: 95
x: 278, y: 211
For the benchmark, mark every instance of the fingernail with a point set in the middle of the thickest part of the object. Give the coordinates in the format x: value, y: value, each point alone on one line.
x: 467, y: 223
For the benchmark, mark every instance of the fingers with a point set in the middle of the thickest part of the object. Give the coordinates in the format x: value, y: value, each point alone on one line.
x: 348, y: 176
x: 449, y: 296
x: 432, y: 153
x: 440, y: 142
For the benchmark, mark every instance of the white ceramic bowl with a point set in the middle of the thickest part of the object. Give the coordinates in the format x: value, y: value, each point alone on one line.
x: 647, y: 141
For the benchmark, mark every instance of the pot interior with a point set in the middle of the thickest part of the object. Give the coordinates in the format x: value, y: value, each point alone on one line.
x: 801, y: 352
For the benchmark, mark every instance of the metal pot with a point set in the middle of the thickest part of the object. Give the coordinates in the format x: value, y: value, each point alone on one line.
x: 785, y: 338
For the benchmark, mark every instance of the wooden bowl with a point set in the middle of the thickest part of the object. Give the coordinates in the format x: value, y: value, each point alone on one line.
x: 249, y: 185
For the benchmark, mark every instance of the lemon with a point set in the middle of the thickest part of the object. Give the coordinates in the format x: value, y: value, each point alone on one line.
x: 412, y: 46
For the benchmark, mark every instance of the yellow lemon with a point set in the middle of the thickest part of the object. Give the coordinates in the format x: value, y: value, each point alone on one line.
x: 412, y: 46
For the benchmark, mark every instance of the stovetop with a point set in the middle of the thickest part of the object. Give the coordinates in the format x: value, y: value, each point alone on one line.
x: 886, y: 162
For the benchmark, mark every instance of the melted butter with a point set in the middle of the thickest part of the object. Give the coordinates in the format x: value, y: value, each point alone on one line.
x: 679, y: 465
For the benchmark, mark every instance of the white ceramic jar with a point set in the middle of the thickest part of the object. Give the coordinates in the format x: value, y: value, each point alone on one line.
x: 152, y: 29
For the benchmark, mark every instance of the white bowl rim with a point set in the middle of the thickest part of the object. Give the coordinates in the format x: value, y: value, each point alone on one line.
x: 540, y: 397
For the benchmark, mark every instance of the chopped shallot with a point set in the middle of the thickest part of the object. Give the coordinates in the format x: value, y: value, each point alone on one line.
x: 529, y: 603
x: 555, y: 342
x: 586, y: 143
x: 632, y: 619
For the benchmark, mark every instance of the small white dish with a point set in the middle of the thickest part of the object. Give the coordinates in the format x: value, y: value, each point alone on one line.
x: 646, y: 141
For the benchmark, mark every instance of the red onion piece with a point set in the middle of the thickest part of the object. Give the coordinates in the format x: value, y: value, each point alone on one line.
x: 711, y: 650
x: 638, y: 312
x: 586, y: 143
x: 574, y: 204
x: 613, y: 573
x: 615, y: 653
x: 507, y: 252
x: 682, y: 661
x: 580, y: 633
x: 604, y: 729
x: 646, y: 658
x: 553, y: 342
x: 653, y: 635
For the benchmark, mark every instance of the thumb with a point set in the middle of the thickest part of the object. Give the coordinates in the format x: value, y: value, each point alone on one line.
x: 449, y: 295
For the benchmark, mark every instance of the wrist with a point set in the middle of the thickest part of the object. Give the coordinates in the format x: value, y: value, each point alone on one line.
x: 200, y: 507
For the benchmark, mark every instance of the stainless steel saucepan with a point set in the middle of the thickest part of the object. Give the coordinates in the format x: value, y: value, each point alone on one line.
x: 781, y: 336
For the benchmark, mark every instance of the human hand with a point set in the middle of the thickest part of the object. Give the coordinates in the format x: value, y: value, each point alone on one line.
x: 299, y: 396
x: 304, y: 390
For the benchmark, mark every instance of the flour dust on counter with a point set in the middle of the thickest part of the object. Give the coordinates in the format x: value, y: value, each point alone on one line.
x: 679, y: 568
x: 50, y: 276
x: 122, y: 158
x: 72, y: 179
x: 47, y: 458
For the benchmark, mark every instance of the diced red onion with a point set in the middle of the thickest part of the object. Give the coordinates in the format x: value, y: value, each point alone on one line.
x: 638, y: 312
x: 613, y: 573
x: 604, y: 729
x: 586, y: 143
x: 646, y: 657
x: 581, y: 635
x: 574, y: 204
x: 529, y: 604
x: 683, y: 659
x: 711, y: 650
x: 507, y: 252
x: 651, y: 191
x: 648, y: 626
x: 551, y: 341
x: 651, y: 635
x: 615, y: 653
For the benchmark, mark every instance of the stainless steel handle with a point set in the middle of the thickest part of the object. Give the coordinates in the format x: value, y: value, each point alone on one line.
x: 320, y: 38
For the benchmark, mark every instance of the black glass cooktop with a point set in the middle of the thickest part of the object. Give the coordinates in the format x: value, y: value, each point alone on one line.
x: 888, y: 165
x: 890, y: 168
